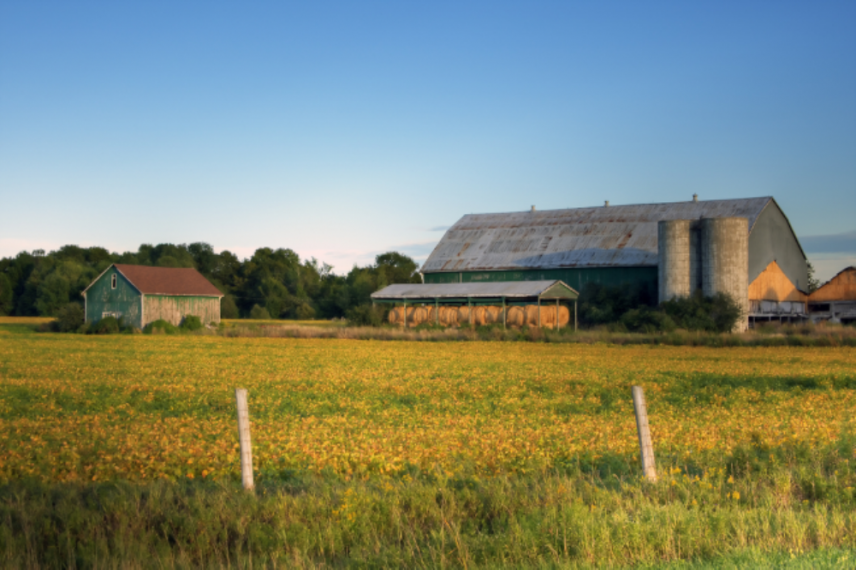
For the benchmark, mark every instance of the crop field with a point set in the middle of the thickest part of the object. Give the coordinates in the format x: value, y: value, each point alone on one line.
x: 141, y: 411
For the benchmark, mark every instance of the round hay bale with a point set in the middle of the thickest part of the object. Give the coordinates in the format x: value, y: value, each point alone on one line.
x: 531, y: 315
x: 395, y: 316
x: 433, y: 315
x: 492, y: 315
x: 548, y: 316
x: 449, y: 316
x: 479, y: 316
x: 564, y: 316
x: 463, y: 315
x: 420, y: 315
x: 515, y: 317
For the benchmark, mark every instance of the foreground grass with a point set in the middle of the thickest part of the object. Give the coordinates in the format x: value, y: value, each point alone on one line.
x: 751, y: 509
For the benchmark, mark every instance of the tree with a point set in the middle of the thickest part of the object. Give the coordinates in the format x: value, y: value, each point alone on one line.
x: 813, y: 282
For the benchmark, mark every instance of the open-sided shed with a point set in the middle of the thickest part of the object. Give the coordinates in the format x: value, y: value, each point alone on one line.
x: 503, y: 294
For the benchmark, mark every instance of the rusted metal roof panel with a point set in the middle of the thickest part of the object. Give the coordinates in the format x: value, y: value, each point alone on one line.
x: 510, y: 289
x: 580, y: 237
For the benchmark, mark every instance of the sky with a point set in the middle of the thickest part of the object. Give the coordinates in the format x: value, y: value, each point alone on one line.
x: 346, y: 129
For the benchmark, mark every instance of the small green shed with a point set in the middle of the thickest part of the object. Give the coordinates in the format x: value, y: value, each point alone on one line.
x: 141, y: 295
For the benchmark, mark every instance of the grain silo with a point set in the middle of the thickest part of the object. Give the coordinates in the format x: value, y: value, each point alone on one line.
x: 725, y: 261
x: 673, y: 262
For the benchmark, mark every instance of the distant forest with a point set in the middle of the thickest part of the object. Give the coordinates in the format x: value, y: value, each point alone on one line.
x: 272, y: 282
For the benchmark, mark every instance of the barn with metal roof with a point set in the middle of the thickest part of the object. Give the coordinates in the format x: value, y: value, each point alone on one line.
x: 619, y: 244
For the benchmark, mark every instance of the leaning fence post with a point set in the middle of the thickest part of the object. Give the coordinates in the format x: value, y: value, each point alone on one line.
x: 646, y: 448
x: 244, y: 438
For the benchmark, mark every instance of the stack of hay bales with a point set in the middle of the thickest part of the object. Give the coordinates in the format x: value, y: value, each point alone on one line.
x: 517, y: 316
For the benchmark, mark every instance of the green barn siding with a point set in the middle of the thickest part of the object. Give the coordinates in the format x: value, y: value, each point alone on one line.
x: 123, y: 301
x: 575, y: 277
x: 174, y: 308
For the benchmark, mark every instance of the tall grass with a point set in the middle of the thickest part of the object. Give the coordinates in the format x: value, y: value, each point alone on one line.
x: 594, y: 511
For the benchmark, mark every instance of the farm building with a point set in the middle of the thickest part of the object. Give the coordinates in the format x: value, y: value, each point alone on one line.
x: 669, y: 249
x: 141, y: 295
x: 835, y: 300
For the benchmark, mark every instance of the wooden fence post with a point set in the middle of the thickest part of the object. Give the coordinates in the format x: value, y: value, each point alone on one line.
x: 244, y: 438
x: 646, y: 448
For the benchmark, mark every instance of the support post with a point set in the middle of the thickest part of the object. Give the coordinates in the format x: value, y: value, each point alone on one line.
x: 405, y: 314
x: 470, y: 311
x: 575, y: 316
x: 436, y: 311
x: 539, y: 311
x: 646, y: 448
x: 558, y: 322
x: 503, y: 313
x: 244, y: 438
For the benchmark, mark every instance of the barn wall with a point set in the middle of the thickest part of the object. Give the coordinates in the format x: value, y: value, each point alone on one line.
x: 773, y: 240
x: 173, y: 309
x: 123, y: 301
x: 773, y: 285
x: 577, y: 278
x: 842, y: 287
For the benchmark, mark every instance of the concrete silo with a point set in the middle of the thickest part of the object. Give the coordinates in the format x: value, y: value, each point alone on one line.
x: 725, y: 261
x: 673, y: 257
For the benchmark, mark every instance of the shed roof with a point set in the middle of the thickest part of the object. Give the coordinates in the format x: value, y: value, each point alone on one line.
x: 166, y: 280
x: 580, y: 237
x: 547, y: 289
x: 842, y: 287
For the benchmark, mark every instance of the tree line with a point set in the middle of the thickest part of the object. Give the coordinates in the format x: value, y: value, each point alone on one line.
x: 273, y: 282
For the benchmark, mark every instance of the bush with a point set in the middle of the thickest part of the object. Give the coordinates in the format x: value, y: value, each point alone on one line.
x: 304, y: 312
x: 259, y: 313
x: 70, y: 318
x: 228, y: 308
x: 605, y: 304
x: 647, y: 320
x: 718, y: 313
x: 366, y: 316
x: 191, y: 323
x: 160, y: 326
x: 107, y: 325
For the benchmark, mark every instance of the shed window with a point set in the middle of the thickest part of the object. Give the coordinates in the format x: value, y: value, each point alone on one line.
x: 113, y: 281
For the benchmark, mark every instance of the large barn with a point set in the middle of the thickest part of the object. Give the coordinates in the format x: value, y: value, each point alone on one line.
x: 712, y: 245
x: 141, y: 295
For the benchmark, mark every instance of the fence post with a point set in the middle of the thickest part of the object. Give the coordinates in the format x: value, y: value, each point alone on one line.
x: 646, y: 448
x: 244, y: 438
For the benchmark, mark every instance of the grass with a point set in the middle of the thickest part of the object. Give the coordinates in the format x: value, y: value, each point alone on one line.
x: 120, y: 451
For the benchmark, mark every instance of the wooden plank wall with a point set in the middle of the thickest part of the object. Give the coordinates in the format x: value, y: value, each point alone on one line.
x: 842, y: 287
x: 773, y: 285
x: 173, y: 309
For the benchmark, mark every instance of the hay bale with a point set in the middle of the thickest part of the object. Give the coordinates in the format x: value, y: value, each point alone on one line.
x: 515, y: 317
x: 449, y: 316
x: 531, y: 315
x: 420, y: 315
x: 395, y: 316
x: 548, y: 316
x: 433, y: 315
x: 463, y: 315
x: 493, y: 315
x: 564, y: 316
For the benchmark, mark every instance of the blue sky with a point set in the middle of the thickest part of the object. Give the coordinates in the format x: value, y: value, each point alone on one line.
x: 345, y: 129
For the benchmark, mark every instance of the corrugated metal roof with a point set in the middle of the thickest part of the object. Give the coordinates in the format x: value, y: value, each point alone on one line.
x: 512, y: 289
x: 580, y: 237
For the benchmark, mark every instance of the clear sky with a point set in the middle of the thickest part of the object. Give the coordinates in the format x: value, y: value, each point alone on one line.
x: 345, y: 129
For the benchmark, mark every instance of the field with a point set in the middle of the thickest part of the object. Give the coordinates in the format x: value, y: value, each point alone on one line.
x: 374, y: 453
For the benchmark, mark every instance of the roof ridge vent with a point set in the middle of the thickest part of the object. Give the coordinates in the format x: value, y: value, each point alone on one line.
x: 533, y: 207
x: 695, y: 197
x: 606, y: 203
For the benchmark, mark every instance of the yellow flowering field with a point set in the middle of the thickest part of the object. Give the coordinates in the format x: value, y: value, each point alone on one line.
x: 84, y: 408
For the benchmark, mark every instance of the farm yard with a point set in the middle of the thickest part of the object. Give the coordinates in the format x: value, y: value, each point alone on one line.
x: 396, y: 453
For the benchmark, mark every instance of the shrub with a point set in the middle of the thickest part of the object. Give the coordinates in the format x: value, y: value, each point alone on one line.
x: 70, y: 318
x: 228, y: 308
x: 366, y: 316
x: 305, y: 312
x: 191, y: 323
x: 259, y: 313
x: 718, y: 313
x: 160, y: 326
x: 647, y: 320
x: 107, y: 325
x: 604, y: 304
